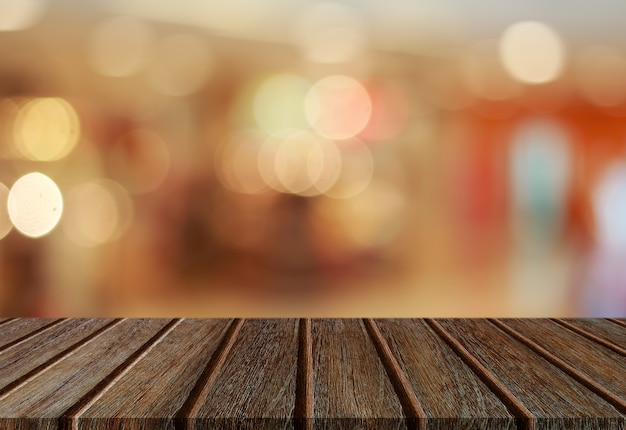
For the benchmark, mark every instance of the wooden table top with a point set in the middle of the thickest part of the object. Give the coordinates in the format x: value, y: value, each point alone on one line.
x: 88, y: 374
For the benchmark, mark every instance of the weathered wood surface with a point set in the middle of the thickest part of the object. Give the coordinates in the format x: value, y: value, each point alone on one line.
x: 184, y: 374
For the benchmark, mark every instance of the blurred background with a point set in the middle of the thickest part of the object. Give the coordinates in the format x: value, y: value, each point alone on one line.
x: 266, y: 158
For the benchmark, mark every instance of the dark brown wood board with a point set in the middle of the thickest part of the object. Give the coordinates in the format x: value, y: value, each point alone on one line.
x: 192, y: 374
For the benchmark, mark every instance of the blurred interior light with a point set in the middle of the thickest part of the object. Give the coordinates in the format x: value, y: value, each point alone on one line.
x: 237, y: 162
x: 338, y: 107
x: 20, y: 14
x: 330, y: 33
x: 5, y: 220
x: 140, y: 160
x: 609, y: 204
x: 532, y: 52
x: 601, y: 75
x: 540, y: 174
x: 279, y: 103
x: 368, y: 220
x: 120, y: 46
x: 46, y: 129
x: 182, y: 65
x: 357, y: 169
x: 35, y: 204
x: 91, y: 214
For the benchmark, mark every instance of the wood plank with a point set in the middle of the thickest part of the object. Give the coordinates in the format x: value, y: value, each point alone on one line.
x: 19, y: 329
x: 597, y: 387
x: 554, y: 398
x: 19, y: 361
x: 352, y: 388
x: 601, y: 328
x: 587, y: 358
x: 256, y: 386
x: 40, y: 402
x: 450, y: 393
x: 151, y: 395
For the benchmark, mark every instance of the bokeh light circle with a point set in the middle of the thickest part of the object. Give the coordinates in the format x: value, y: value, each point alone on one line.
x: 92, y: 214
x: 532, y: 52
x: 46, y: 129
x: 279, y: 102
x: 338, y: 107
x: 35, y: 205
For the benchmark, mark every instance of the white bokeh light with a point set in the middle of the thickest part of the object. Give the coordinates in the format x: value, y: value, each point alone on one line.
x: 35, y: 204
x: 532, y: 52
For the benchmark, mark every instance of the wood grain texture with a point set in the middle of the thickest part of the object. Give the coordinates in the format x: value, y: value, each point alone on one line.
x: 555, y: 399
x: 588, y: 358
x: 352, y: 388
x: 256, y: 386
x: 188, y: 374
x: 450, y: 393
x: 20, y: 329
x: 151, y: 395
x: 44, y: 399
x: 36, y: 353
x: 601, y: 329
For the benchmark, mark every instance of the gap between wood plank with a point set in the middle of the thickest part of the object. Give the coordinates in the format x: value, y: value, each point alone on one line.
x: 616, y: 321
x: 610, y: 397
x: 69, y: 420
x: 513, y: 404
x: 31, y: 334
x: 183, y: 418
x: 413, y: 410
x: 602, y: 341
x: 7, y: 389
x: 8, y: 320
x: 304, y: 413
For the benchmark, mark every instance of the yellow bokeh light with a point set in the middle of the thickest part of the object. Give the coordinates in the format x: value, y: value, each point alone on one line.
x: 532, y: 52
x: 46, y: 129
x: 279, y: 103
x: 91, y: 214
x: 5, y: 220
x: 120, y: 46
x: 20, y: 14
x: 35, y: 205
x: 182, y: 65
x: 338, y: 107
